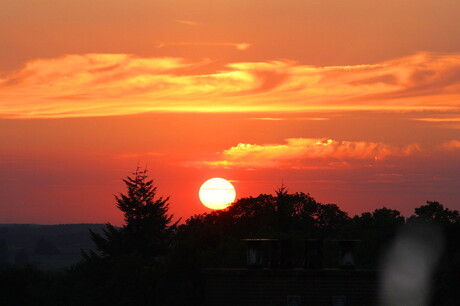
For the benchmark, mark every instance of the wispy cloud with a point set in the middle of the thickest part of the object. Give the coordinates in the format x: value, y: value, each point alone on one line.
x: 289, y: 118
x: 121, y: 84
x: 300, y: 152
x: 438, y: 119
x: 238, y: 46
x: 187, y: 22
x: 452, y: 145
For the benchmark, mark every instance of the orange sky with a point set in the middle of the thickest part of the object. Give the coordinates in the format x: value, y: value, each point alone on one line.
x: 355, y: 102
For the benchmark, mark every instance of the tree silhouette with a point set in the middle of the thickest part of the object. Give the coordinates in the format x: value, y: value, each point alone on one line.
x: 447, y: 283
x: 148, y: 227
x: 376, y: 230
x: 435, y: 212
x: 215, y: 239
x: 128, y: 267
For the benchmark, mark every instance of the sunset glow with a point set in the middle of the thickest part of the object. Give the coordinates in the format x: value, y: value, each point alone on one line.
x: 354, y: 102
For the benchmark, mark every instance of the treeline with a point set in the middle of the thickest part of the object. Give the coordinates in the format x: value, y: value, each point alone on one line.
x: 151, y: 260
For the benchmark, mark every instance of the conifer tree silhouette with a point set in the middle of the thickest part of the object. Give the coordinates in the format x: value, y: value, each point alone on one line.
x: 148, y: 227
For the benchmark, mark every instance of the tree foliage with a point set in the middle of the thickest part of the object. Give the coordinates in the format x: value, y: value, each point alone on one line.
x: 435, y: 212
x: 148, y: 227
x: 128, y: 266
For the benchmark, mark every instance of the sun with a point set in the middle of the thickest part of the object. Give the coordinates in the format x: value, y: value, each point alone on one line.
x: 217, y: 193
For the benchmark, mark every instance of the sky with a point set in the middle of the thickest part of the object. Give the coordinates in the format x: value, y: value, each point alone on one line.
x: 355, y: 102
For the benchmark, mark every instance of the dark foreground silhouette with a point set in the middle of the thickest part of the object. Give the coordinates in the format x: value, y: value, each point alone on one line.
x: 151, y: 260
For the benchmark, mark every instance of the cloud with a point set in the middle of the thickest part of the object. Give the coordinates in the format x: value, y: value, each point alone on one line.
x: 451, y: 145
x: 187, y: 22
x: 242, y: 46
x: 238, y: 46
x: 123, y: 84
x: 289, y: 118
x: 438, y: 119
x: 307, y: 153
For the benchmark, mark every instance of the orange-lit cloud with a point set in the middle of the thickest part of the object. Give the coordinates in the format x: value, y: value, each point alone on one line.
x: 238, y: 46
x: 438, y: 119
x: 120, y: 84
x: 187, y: 22
x: 296, y: 153
x: 452, y: 145
x: 289, y: 118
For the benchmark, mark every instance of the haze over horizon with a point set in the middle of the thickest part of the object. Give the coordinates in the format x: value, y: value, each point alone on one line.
x: 356, y: 103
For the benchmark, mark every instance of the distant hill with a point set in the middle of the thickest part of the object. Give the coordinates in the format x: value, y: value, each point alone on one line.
x: 46, y: 246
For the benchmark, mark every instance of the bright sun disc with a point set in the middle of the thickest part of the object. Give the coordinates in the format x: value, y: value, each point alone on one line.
x: 217, y: 193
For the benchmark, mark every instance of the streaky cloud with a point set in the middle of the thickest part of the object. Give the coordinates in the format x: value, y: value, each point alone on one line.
x: 122, y: 84
x: 187, y: 22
